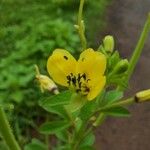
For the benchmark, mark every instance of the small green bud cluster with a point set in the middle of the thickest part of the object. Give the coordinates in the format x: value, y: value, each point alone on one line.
x: 116, y: 67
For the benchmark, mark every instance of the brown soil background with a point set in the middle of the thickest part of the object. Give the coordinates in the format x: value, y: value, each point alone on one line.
x: 125, y: 21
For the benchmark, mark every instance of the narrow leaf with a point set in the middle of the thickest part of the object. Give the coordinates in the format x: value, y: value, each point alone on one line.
x: 117, y: 112
x: 53, y: 127
x: 113, y: 96
x: 60, y: 99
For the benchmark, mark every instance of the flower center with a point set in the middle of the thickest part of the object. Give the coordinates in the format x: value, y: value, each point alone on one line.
x: 80, y: 82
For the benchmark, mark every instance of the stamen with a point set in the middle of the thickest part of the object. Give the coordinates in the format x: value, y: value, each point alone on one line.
x: 69, y: 79
x: 88, y: 80
x: 78, y: 90
x: 74, y: 80
x: 79, y: 82
x: 84, y: 76
x: 71, y: 74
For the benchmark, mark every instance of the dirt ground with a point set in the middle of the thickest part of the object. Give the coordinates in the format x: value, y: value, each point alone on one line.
x: 125, y: 21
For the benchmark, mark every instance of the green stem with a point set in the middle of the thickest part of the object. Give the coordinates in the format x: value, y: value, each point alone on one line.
x: 138, y: 49
x: 81, y: 27
x: 99, y: 120
x: 126, y: 102
x: 6, y: 132
x: 78, y: 136
x: 69, y: 116
x: 137, y: 52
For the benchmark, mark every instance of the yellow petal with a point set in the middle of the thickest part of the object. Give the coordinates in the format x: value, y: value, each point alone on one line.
x: 60, y: 64
x: 92, y: 63
x: 96, y: 87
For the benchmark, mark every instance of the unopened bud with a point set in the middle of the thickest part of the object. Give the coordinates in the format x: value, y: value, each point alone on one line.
x: 143, y: 96
x: 45, y: 82
x: 108, y: 42
x: 121, y: 67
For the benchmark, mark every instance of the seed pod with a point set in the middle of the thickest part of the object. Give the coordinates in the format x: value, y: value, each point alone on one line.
x: 142, y: 96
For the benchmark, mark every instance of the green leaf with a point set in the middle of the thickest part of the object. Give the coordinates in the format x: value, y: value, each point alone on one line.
x: 59, y: 110
x: 62, y: 135
x: 112, y: 96
x: 53, y: 127
x: 35, y: 145
x: 17, y: 96
x: 88, y: 140
x: 60, y: 99
x: 87, y: 110
x: 117, y: 112
x: 77, y: 102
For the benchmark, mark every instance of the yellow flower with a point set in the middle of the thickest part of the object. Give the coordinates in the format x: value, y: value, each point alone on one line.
x: 85, y: 76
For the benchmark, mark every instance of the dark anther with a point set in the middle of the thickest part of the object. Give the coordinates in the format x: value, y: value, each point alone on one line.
x: 84, y: 76
x: 69, y: 79
x: 79, y: 77
x: 87, y: 89
x: 88, y: 80
x: 78, y: 90
x: 74, y: 80
x: 79, y: 84
x: 66, y: 57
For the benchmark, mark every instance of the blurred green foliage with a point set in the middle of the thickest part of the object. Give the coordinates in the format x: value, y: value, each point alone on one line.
x: 29, y: 32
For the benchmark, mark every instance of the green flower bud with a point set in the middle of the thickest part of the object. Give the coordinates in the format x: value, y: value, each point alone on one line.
x: 108, y: 42
x: 113, y: 60
x: 121, y: 67
x: 142, y: 96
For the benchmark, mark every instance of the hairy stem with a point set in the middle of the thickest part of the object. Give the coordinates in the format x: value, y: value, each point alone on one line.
x: 6, y: 132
